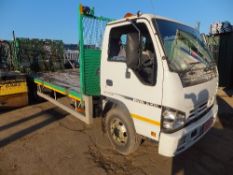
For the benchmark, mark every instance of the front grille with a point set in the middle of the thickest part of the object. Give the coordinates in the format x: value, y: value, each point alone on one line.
x: 199, y: 109
x: 198, y: 112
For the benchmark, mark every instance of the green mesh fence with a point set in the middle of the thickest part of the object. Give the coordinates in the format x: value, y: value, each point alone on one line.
x: 5, y: 56
x: 93, y: 30
x: 37, y: 55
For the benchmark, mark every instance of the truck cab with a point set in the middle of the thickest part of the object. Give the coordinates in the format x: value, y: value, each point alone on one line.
x: 159, y: 81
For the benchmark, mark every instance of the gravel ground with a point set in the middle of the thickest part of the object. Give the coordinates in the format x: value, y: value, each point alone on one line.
x: 42, y: 139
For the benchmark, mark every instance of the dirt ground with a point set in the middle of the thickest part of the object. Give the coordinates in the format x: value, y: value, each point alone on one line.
x: 42, y: 139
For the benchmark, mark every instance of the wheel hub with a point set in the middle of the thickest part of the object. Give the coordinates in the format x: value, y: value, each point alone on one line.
x: 119, y: 132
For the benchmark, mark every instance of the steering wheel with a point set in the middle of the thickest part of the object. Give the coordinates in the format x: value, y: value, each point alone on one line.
x: 147, y: 63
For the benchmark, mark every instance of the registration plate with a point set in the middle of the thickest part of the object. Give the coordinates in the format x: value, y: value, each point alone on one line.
x: 207, y: 124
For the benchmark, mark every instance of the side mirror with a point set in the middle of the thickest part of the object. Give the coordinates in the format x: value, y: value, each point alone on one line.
x: 133, y: 50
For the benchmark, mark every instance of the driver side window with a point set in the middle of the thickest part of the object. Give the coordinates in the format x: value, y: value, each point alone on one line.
x: 146, y: 69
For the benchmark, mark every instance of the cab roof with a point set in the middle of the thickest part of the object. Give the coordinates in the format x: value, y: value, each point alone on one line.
x: 147, y: 16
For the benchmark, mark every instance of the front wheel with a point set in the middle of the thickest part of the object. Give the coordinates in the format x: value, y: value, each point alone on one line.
x: 121, y: 132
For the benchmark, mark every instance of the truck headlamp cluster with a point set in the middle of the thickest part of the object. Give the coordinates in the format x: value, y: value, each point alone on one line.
x: 172, y: 120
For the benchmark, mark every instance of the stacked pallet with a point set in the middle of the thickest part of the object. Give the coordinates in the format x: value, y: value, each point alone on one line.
x: 220, y: 27
x: 221, y: 45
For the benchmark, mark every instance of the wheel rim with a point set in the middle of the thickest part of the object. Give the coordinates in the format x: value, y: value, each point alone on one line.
x: 118, y: 132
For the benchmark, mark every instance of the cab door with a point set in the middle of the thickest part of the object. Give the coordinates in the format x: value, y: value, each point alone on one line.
x: 140, y: 89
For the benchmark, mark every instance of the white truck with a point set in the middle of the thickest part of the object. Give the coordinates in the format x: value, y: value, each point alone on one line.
x: 149, y: 76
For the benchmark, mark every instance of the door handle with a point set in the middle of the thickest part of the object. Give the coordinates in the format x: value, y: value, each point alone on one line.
x: 109, y: 82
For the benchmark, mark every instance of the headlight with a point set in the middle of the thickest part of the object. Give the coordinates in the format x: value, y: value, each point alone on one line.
x: 172, y: 119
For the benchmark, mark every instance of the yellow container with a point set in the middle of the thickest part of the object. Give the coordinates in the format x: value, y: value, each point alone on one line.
x: 12, y: 87
x: 13, y: 93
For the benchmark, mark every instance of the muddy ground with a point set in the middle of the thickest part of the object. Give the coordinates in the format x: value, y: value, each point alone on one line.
x: 42, y: 139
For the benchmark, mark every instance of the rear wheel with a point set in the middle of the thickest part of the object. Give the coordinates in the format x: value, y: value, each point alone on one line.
x: 121, y: 131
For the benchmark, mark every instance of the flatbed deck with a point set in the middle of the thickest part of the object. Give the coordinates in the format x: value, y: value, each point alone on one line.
x: 65, y: 82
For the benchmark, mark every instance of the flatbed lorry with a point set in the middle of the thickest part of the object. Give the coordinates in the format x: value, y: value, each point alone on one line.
x: 149, y: 76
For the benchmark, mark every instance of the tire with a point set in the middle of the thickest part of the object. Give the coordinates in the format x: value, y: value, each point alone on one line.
x: 121, y: 132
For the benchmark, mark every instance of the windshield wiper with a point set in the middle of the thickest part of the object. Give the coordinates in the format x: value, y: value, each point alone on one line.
x: 210, y: 66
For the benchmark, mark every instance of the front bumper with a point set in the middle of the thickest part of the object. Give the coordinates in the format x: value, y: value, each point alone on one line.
x: 175, y: 143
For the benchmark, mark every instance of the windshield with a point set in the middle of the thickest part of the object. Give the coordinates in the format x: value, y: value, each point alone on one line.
x: 184, y: 47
